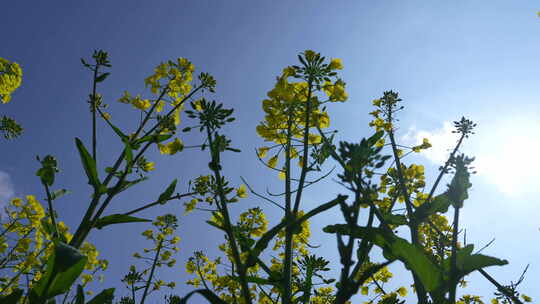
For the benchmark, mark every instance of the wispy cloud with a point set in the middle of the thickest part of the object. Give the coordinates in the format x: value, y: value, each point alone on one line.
x: 6, y: 189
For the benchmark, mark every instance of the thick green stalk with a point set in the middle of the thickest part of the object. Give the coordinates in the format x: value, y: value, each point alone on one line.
x: 287, y: 265
x: 413, y: 224
x: 287, y: 288
x: 241, y: 269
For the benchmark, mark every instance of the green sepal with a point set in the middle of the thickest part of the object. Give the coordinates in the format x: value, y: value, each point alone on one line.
x: 117, y: 219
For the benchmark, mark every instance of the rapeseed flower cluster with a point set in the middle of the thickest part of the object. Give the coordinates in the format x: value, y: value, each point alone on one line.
x: 205, y: 189
x: 251, y: 225
x: 293, y: 107
x: 172, y: 81
x: 28, y: 230
x: 160, y: 254
x: 10, y: 79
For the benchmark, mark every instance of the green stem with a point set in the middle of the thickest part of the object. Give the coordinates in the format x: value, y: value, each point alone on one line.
x: 151, y: 275
x: 446, y: 164
x: 453, y: 259
x: 288, y: 215
x: 500, y: 288
x: 94, y: 106
x: 241, y: 268
x: 133, y: 292
x: 413, y: 224
x: 287, y: 265
x: 84, y: 228
x: 179, y: 196
x: 51, y: 211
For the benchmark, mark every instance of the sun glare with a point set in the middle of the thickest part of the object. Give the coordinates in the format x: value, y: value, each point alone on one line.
x: 506, y: 153
x: 509, y: 157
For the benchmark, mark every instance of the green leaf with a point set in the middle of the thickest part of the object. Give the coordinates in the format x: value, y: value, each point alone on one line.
x: 395, y: 219
x: 117, y: 219
x: 104, y: 297
x: 59, y: 193
x: 207, y: 294
x: 89, y: 165
x: 259, y: 281
x: 116, y: 130
x: 375, y: 138
x: 102, y: 77
x: 69, y: 264
x: 467, y: 262
x: 127, y: 184
x: 215, y: 225
x: 396, y: 248
x: 39, y: 288
x: 164, y: 197
x: 64, y: 266
x: 79, y: 297
x: 458, y: 189
x: 155, y: 138
x: 439, y: 204
x: 12, y: 298
x: 49, y: 167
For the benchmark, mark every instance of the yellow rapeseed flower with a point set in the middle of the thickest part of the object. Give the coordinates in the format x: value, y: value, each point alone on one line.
x: 336, y: 64
x: 172, y: 147
x: 241, y: 191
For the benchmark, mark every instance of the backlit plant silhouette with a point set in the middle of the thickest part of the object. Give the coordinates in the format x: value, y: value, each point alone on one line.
x: 386, y: 203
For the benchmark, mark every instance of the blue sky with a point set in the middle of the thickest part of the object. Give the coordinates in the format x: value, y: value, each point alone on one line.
x: 477, y: 59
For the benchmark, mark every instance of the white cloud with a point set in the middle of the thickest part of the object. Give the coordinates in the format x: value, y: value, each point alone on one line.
x: 505, y: 152
x: 6, y: 189
x: 442, y: 141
